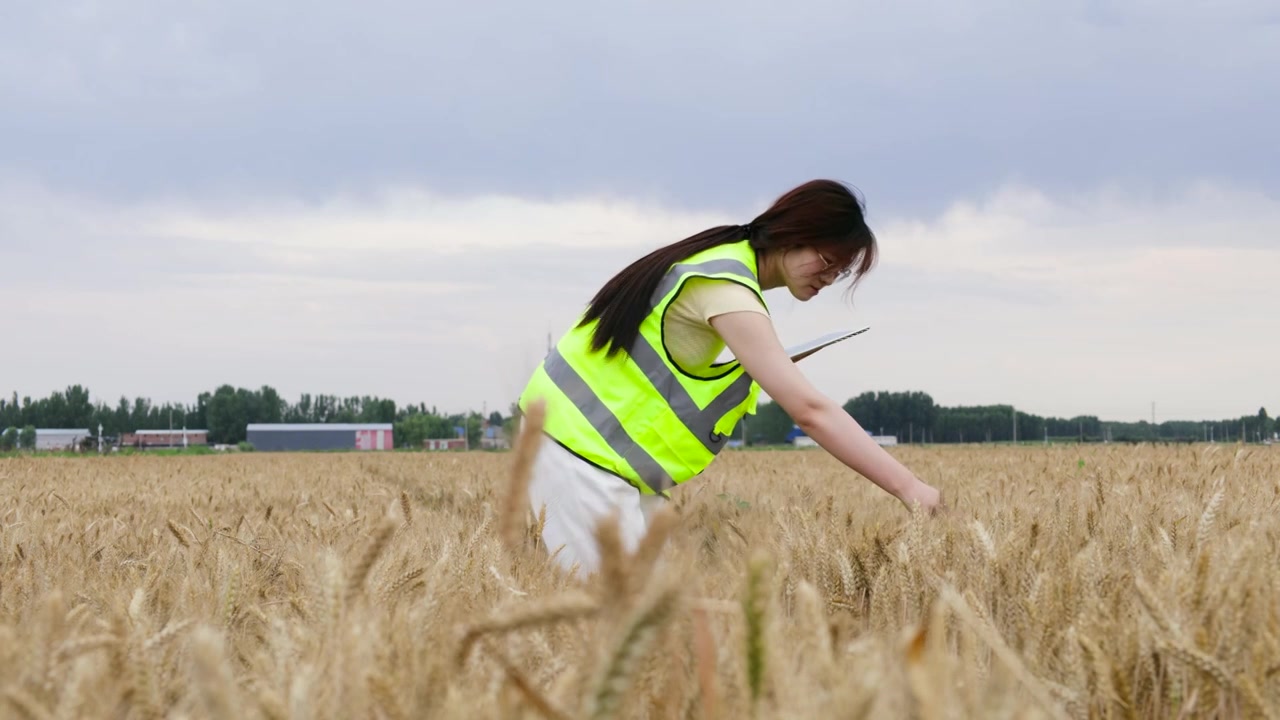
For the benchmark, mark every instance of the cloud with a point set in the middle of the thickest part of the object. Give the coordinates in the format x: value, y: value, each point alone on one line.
x: 1061, y: 303
x: 686, y: 105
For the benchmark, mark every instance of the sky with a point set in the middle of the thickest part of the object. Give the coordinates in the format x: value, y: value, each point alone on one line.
x: 1077, y: 203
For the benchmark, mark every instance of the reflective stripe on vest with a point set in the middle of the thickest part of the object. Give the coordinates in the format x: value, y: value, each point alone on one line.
x: 698, y: 421
x: 677, y: 273
x: 701, y: 422
x: 605, y: 422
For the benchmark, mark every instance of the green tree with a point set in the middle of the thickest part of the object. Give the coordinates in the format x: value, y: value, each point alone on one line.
x: 473, y: 425
x: 227, y: 418
x: 770, y: 425
x: 270, y: 407
x: 200, y: 415
x: 417, y: 427
x: 865, y: 410
x: 27, y: 438
x: 511, y: 425
x: 9, y: 439
x: 10, y: 412
x: 79, y: 407
x: 121, y: 416
x: 140, y: 416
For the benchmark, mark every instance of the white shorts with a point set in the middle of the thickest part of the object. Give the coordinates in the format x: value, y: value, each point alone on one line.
x: 577, y: 495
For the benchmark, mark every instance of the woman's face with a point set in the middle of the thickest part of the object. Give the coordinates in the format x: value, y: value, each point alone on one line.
x: 806, y: 271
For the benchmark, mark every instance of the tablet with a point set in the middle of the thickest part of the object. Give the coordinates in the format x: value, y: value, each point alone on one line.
x: 805, y: 349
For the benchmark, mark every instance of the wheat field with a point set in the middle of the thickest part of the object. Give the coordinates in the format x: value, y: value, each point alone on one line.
x: 1064, y: 582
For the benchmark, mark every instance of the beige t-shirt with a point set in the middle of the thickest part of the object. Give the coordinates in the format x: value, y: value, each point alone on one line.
x: 689, y: 336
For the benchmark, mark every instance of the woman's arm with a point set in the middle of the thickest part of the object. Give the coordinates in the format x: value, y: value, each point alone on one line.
x: 751, y: 338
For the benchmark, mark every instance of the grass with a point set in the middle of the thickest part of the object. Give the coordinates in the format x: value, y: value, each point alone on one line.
x: 1141, y: 584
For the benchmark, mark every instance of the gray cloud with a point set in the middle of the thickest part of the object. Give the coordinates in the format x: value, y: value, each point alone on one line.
x: 718, y: 105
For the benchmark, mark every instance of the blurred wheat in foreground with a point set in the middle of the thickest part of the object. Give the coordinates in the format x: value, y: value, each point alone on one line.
x: 1065, y: 582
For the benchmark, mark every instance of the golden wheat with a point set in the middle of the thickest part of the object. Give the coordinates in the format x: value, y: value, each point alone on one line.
x: 1115, y: 581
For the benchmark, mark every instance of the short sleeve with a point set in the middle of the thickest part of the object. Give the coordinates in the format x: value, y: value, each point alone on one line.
x: 709, y: 297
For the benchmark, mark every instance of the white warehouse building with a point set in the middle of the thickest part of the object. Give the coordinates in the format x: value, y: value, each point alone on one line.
x: 60, y: 438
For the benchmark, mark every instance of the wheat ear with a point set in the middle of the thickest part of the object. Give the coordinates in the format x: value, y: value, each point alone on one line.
x: 754, y: 603
x: 375, y: 547
x: 214, y: 683
x: 406, y: 508
x: 567, y: 607
x: 526, y: 452
x: 661, y: 523
x: 541, y: 703
x: 613, y: 562
x: 704, y: 650
x: 637, y: 636
x: 961, y: 608
x: 182, y: 539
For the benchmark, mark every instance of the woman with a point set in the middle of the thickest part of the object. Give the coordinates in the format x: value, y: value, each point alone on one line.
x: 635, y: 400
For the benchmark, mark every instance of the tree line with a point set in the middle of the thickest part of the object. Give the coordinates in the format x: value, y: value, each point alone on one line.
x: 911, y: 417
x: 226, y: 412
x: 914, y: 417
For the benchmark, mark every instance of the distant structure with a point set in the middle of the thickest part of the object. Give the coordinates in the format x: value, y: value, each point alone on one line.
x: 60, y: 438
x: 456, y: 443
x: 164, y: 438
x: 492, y: 437
x: 798, y: 438
x: 320, y: 436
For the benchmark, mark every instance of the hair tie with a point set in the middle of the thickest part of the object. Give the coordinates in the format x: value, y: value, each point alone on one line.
x: 748, y: 229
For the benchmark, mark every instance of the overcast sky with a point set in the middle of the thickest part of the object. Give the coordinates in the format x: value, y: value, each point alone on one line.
x: 1078, y: 203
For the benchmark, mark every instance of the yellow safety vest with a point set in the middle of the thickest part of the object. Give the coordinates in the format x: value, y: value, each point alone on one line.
x: 638, y: 415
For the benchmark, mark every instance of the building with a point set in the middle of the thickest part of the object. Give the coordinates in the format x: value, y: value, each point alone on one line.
x: 320, y: 436
x: 60, y: 438
x: 164, y: 438
x: 798, y: 438
x: 493, y: 437
x: 457, y: 443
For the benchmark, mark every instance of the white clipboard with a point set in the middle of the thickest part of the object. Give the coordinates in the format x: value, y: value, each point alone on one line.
x: 805, y: 349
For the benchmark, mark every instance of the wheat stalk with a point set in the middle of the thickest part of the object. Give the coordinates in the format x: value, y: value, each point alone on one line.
x: 570, y: 606
x: 755, y: 612
x: 638, y: 634
x: 525, y: 453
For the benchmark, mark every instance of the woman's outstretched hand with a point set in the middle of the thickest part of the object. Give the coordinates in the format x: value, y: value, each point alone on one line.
x: 929, y: 498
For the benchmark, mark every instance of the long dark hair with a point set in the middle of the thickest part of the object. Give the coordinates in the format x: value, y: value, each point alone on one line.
x: 823, y: 214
